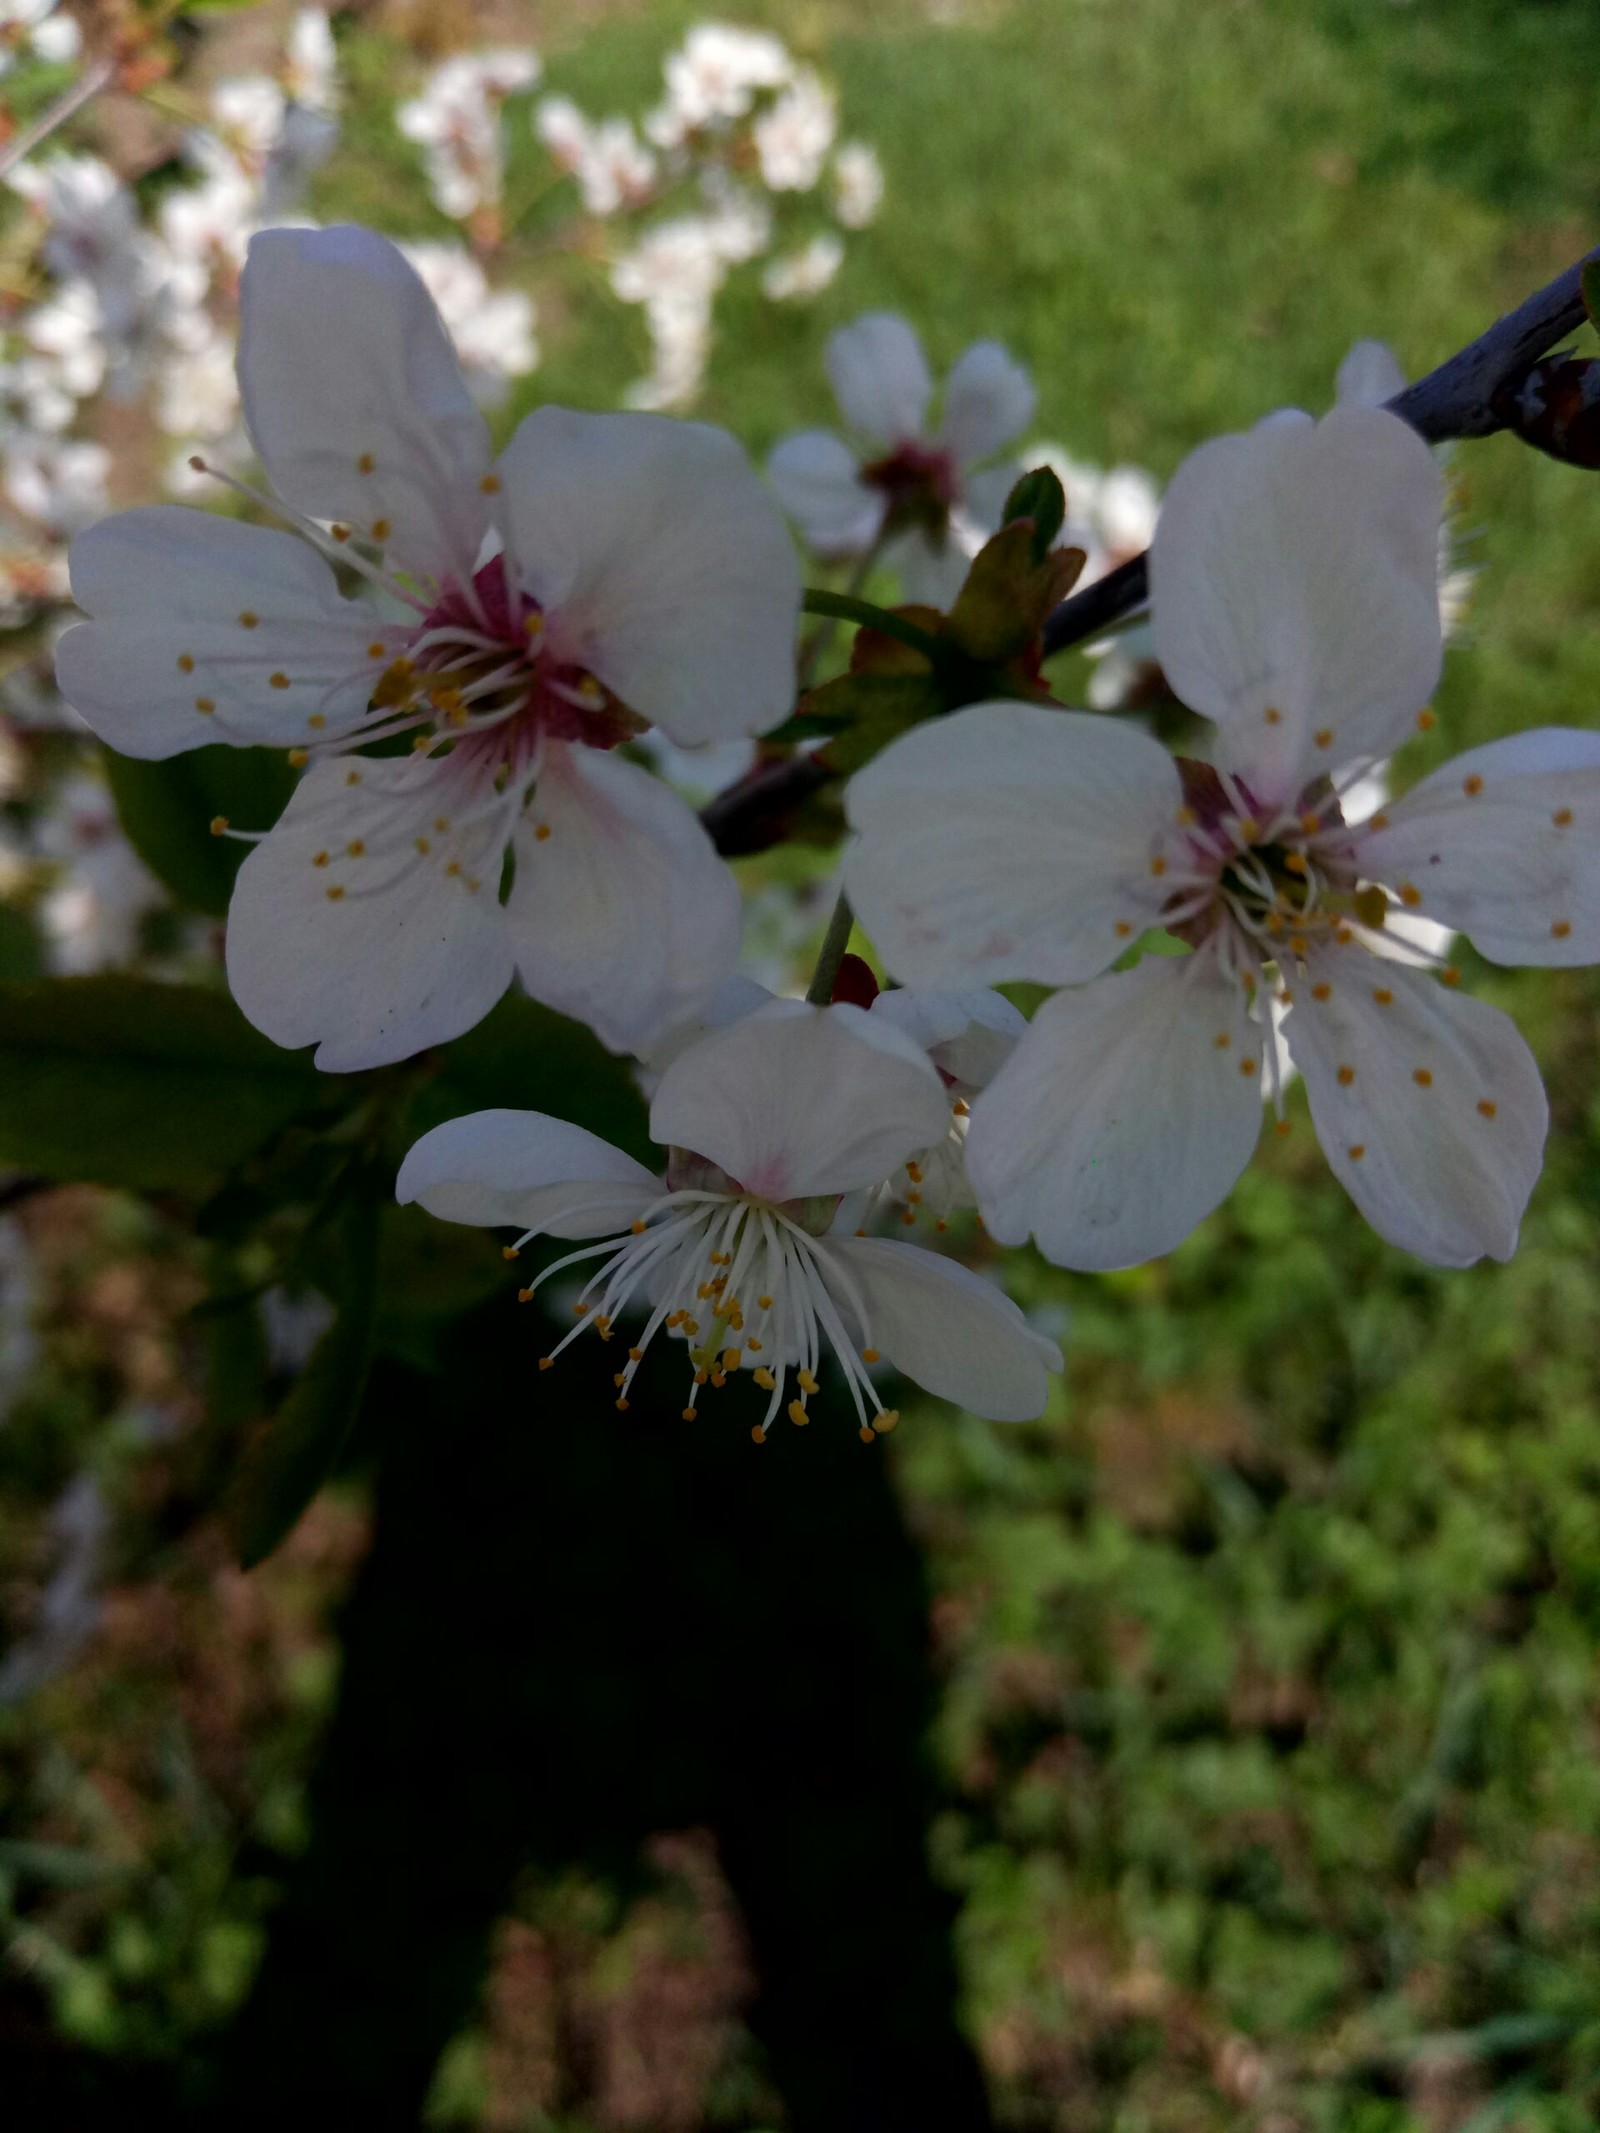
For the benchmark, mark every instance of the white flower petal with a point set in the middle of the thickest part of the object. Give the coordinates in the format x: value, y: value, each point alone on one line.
x: 1428, y: 1105
x: 1294, y: 592
x: 354, y: 397
x: 406, y: 954
x: 669, y: 566
x: 982, y: 508
x: 1009, y: 841
x: 817, y: 480
x: 880, y: 377
x: 1503, y: 844
x: 623, y: 915
x: 1369, y: 375
x: 1122, y: 1118
x: 988, y: 400
x: 946, y: 1328
x: 795, y: 1100
x: 528, y: 1171
x: 167, y: 589
x: 968, y: 1035
x: 931, y: 572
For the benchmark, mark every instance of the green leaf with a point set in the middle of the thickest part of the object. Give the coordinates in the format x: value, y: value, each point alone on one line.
x: 1589, y: 282
x: 19, y: 945
x: 120, y: 1081
x: 525, y: 1057
x: 1040, y: 497
x: 289, y: 1460
x: 167, y: 810
x: 874, y: 709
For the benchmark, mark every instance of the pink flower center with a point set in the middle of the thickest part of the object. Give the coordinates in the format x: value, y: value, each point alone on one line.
x: 919, y: 484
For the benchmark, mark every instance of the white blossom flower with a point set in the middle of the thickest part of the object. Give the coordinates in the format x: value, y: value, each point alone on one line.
x: 798, y: 276
x: 604, y: 572
x: 492, y: 328
x: 310, y: 62
x: 857, y: 184
x: 792, y: 139
x: 41, y: 27
x: 768, y: 1125
x: 924, y: 491
x: 58, y: 482
x: 612, y: 165
x: 1295, y: 600
x: 969, y: 1036
x: 714, y: 78
x: 95, y: 909
x: 456, y: 120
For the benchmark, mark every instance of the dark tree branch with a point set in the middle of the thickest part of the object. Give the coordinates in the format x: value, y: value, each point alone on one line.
x: 1469, y: 395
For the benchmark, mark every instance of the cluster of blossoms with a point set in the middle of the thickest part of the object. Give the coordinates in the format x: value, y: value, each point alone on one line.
x: 471, y: 812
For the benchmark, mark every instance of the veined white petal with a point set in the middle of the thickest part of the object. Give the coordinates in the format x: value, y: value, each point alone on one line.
x: 1503, y: 844
x: 1122, y: 1118
x: 968, y: 1035
x: 816, y: 478
x: 666, y: 565
x: 796, y: 1101
x: 946, y: 1328
x: 1294, y: 592
x: 1428, y: 1104
x: 1010, y: 841
x: 192, y: 617
x: 988, y: 401
x: 880, y: 376
x: 361, y: 925
x: 525, y: 1170
x: 354, y: 397
x: 621, y: 912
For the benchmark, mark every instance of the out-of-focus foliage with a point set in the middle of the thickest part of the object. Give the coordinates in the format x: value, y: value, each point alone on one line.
x: 1269, y: 1658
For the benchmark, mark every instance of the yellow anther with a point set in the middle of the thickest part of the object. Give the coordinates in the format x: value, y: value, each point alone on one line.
x: 914, y: 1199
x: 675, y: 1319
x: 421, y: 743
x: 1323, y: 736
x: 1426, y: 722
x: 1410, y: 894
x: 1186, y: 818
x: 885, y: 1419
x: 335, y: 893
x: 219, y: 824
x: 591, y: 690
x: 805, y: 1381
x: 1383, y: 996
x: 1560, y: 930
x: 764, y: 1378
x: 732, y: 1358
x: 580, y: 1310
x: 453, y: 868
x: 1281, y: 1128
x: 687, y: 1415
x: 1562, y: 817
x: 757, y: 1436
x: 765, y: 1302
x: 509, y: 1251
x: 691, y: 1326
x: 1122, y: 929
x: 961, y: 1107
x: 340, y: 533
x: 719, y: 1378
x: 366, y: 463
x: 619, y: 1377
x: 702, y: 1377
x: 534, y: 625
x: 866, y: 1436
x: 1379, y: 821
x: 356, y: 847
x: 380, y: 529
x: 1298, y: 944
x: 637, y: 1226
x: 797, y: 1414
x: 185, y: 662
x: 1249, y: 828
x: 248, y: 620
x: 1321, y: 989
x: 1472, y: 786
x: 441, y: 823
x: 622, y: 1407
x: 914, y: 1173
x: 869, y: 1355
x: 1272, y: 715
x: 1247, y: 1065
x: 1295, y: 862
x: 1485, y: 1108
x: 1344, y: 935
x: 1158, y: 865
x: 321, y: 860
x: 541, y: 831
x: 1449, y: 975
x: 1422, y: 1078
x: 754, y: 1345
x: 490, y: 485
x: 298, y: 758
x: 376, y: 650
x: 205, y: 704
x: 602, y: 1322
x: 316, y: 721
x: 1222, y: 1040
x: 1347, y: 1074
x: 1356, y: 1152
x: 909, y: 1217
x: 424, y: 846
x: 1310, y: 821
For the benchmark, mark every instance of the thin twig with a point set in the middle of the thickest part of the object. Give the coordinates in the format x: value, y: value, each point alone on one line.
x: 88, y: 84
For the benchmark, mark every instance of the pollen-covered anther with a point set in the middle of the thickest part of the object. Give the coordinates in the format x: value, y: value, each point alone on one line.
x: 1472, y: 785
x: 1561, y: 928
x: 365, y: 463
x: 1310, y: 822
x: 961, y: 1108
x: 1323, y: 736
x: 186, y: 662
x: 489, y: 485
x: 1247, y: 1065
x: 1410, y: 895
x: 1322, y: 990
x: 1422, y: 1077
x: 1449, y: 975
x: 339, y: 533
x: 298, y: 758
x: 1122, y: 930
x: 335, y: 894
x: 380, y: 529
x: 1272, y: 715
x: 219, y: 825
x: 1486, y: 1108
x: 1383, y: 996
x: 1158, y: 865
x: 1347, y: 1074
x: 865, y: 1434
x: 1562, y: 818
x: 1426, y: 722
x: 509, y: 1251
x: 869, y: 1355
x: 316, y: 721
x: 885, y: 1419
x: 205, y: 705
x: 797, y: 1413
x: 1356, y: 1151
x: 1222, y: 1040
